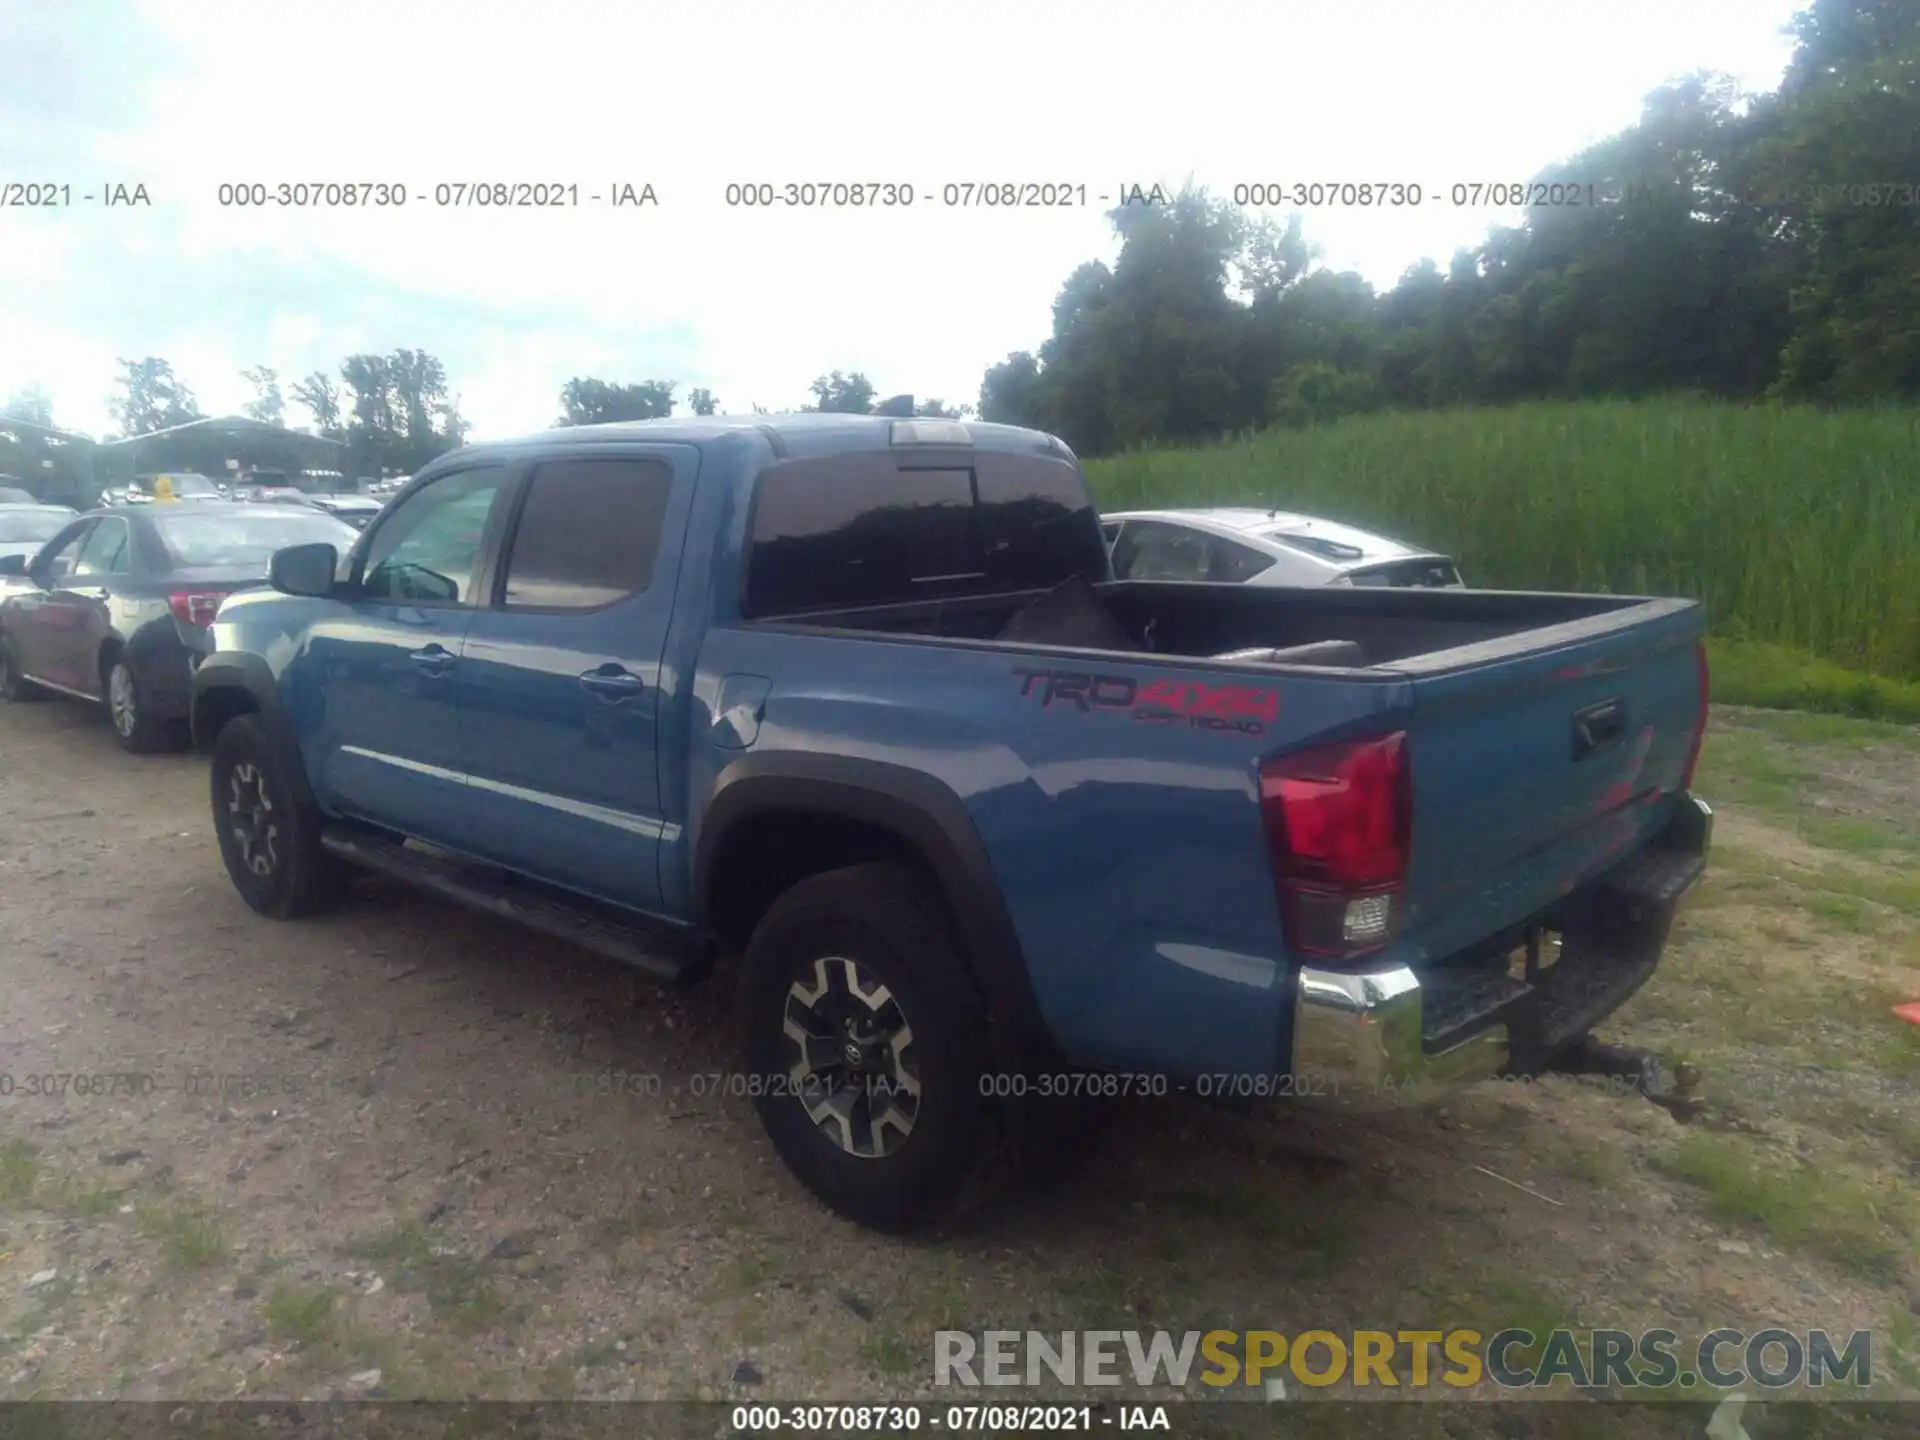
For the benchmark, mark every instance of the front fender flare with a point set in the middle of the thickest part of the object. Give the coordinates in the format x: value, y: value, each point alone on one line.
x: 230, y: 671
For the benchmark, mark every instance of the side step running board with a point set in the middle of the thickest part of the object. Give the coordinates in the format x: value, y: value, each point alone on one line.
x: 659, y: 949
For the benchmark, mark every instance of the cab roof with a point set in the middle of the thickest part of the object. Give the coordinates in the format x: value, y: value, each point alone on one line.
x: 804, y: 434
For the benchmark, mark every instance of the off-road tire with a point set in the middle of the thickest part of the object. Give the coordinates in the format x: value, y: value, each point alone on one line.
x: 891, y: 922
x: 301, y: 877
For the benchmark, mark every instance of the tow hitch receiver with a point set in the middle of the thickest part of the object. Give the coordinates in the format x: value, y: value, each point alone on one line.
x: 1673, y: 1089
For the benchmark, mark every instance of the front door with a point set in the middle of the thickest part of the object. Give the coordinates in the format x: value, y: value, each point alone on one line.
x: 76, y: 618
x: 560, y: 681
x: 373, y: 696
x: 39, y: 618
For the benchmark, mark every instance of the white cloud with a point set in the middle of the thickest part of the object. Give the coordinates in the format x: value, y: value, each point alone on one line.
x: 753, y: 304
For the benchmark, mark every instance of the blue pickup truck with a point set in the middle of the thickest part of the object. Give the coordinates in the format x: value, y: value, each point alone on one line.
x: 856, y: 702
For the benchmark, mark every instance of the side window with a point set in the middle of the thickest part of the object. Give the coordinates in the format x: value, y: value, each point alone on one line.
x: 1167, y: 552
x: 428, y: 549
x: 105, y: 550
x: 57, y: 564
x: 1231, y: 563
x: 588, y: 533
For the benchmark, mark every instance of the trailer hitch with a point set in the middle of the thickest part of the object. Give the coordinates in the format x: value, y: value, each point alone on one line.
x: 1674, y: 1089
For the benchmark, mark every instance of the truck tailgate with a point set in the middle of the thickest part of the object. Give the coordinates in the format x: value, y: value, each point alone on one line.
x: 1539, y: 761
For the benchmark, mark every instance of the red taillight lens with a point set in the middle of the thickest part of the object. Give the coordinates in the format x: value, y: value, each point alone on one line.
x: 1339, y: 824
x: 1699, y: 718
x: 195, y: 607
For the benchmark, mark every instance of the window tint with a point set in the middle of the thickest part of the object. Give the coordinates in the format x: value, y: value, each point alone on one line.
x: 858, y: 530
x: 429, y: 547
x: 1231, y: 563
x: 1036, y: 523
x: 589, y: 532
x: 105, y: 550
x: 1157, y: 551
x: 850, y: 530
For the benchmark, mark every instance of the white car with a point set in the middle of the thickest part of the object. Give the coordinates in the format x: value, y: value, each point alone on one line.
x: 1265, y: 547
x: 24, y: 529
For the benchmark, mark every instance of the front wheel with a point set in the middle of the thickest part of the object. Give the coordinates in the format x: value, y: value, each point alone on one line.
x: 269, y: 839
x: 866, y: 1046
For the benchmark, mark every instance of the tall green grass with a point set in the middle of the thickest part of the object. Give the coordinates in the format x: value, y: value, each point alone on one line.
x: 1794, y: 526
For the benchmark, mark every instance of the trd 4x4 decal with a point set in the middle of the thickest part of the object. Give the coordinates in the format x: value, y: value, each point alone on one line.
x: 1237, y: 708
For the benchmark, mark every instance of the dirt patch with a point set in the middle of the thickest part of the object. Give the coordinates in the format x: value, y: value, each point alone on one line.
x: 407, y: 1151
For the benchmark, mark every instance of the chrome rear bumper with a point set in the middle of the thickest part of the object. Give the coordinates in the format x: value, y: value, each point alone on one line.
x: 1361, y: 1032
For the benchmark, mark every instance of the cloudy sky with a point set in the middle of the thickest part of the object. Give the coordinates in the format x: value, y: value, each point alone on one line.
x: 185, y: 95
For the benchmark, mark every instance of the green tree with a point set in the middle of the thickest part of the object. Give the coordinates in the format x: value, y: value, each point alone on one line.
x: 31, y: 404
x: 1010, y: 394
x: 149, y: 396
x: 321, y: 397
x: 267, y: 405
x: 842, y: 394
x: 701, y: 401
x: 586, y: 401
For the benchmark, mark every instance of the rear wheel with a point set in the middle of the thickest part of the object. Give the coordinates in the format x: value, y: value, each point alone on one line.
x: 138, y: 731
x: 866, y: 1048
x: 14, y: 684
x: 269, y: 839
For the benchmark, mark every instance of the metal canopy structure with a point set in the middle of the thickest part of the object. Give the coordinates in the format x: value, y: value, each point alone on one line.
x: 55, y: 464
x: 216, y: 446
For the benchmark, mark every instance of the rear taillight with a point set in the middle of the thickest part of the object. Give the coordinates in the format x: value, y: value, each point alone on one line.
x: 1339, y: 824
x: 1699, y: 716
x: 195, y: 607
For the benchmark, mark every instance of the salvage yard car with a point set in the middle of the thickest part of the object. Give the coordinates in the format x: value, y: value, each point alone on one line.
x: 859, y: 701
x: 1229, y: 545
x: 25, y: 528
x: 114, y: 607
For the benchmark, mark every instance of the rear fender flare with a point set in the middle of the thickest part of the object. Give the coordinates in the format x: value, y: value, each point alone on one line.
x: 934, y: 821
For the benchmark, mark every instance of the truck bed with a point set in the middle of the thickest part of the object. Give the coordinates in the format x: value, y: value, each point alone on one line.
x: 1410, y: 631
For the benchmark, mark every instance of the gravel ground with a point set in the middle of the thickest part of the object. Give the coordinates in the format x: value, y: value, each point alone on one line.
x: 407, y: 1151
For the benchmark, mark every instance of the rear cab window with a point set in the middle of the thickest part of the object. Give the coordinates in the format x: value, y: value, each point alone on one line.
x: 878, y: 527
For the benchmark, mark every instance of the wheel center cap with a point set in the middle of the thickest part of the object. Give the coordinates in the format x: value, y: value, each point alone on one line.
x: 854, y: 1052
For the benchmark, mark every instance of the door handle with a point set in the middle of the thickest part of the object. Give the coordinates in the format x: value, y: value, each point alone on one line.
x: 435, y: 659
x: 612, y: 683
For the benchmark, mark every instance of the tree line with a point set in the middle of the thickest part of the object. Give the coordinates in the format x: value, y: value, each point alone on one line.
x: 1724, y: 244
x: 395, y: 412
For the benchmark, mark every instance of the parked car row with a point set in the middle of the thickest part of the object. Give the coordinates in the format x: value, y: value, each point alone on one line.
x: 113, y: 607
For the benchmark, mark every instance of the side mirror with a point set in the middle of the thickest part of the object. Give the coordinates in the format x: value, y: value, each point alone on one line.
x: 304, y: 570
x: 13, y: 565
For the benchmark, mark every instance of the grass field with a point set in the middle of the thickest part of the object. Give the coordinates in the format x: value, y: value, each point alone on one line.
x: 1799, y: 529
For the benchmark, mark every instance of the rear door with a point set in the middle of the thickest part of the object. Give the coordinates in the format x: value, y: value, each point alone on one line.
x: 1536, y: 762
x: 560, y: 684
x: 76, y: 617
